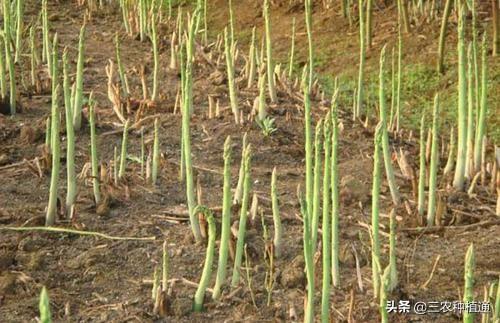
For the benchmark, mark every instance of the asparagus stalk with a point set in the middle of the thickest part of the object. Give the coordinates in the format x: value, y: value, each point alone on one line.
x: 243, y: 218
x: 231, y: 21
x: 55, y: 144
x: 207, y: 267
x: 458, y: 181
x: 421, y: 174
x: 19, y: 29
x: 238, y: 193
x: 173, y: 55
x: 183, y: 101
x: 143, y: 151
x: 179, y: 21
x: 205, y: 22
x: 308, y: 13
x: 142, y: 19
x: 54, y: 72
x: 369, y: 6
x: 156, y: 284
x: 496, y: 27
x: 155, y: 58
x: 252, y: 60
x: 44, y: 307
x: 70, y: 134
x: 449, y: 163
x: 431, y: 211
x: 276, y: 216
x: 335, y: 193
x: 262, y: 113
x: 233, y: 96
x: 468, y: 316
x: 164, y: 267
x: 375, y: 210
x: 390, y: 125
x: 344, y: 6
x: 94, y: 154
x: 393, y: 270
x: 33, y: 57
x: 7, y: 22
x: 308, y: 150
x: 115, y: 165
x: 48, y: 133
x: 326, y: 225
x: 318, y: 147
x: 3, y: 81
x: 385, y: 280
x: 260, y: 55
x: 123, y: 155
x: 187, y: 109
x: 362, y: 56
x: 442, y: 35
x: 169, y: 8
x: 121, y: 71
x: 400, y: 75
x: 78, y: 101
x: 475, y: 58
x: 349, y: 15
x: 269, y: 53
x: 45, y: 31
x: 226, y: 221
x: 9, y: 59
x: 125, y: 15
x: 292, y: 51
x: 385, y: 136
x: 481, y: 123
x: 156, y: 154
x: 497, y: 301
x: 309, y: 261
x: 469, y: 166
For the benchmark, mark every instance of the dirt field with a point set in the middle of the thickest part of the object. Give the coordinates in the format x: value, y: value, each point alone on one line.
x: 90, y: 279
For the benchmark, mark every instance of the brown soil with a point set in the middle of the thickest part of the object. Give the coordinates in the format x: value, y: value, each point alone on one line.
x: 96, y: 280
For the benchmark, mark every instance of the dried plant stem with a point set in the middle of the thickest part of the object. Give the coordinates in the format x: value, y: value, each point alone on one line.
x: 77, y: 232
